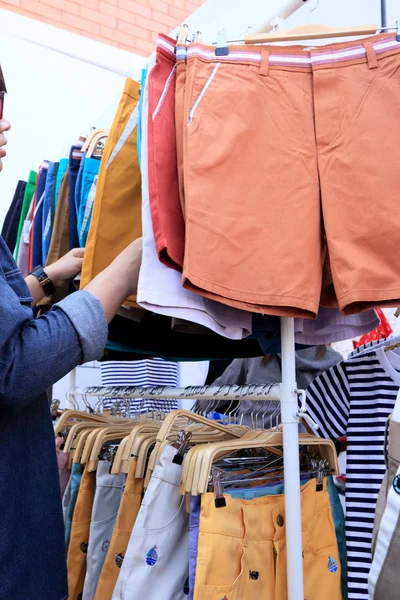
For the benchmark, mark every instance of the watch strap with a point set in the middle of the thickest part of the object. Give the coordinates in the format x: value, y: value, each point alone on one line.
x: 44, y: 280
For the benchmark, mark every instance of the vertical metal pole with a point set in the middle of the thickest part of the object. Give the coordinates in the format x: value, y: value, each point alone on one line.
x: 383, y: 14
x: 72, y: 384
x: 291, y: 463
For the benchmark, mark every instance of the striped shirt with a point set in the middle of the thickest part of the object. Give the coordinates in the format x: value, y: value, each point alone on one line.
x: 152, y: 371
x: 355, y: 398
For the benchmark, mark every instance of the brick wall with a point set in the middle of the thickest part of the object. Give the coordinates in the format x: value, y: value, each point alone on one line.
x: 132, y: 25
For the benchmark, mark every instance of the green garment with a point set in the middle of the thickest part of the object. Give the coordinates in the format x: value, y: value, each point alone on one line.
x: 28, y: 195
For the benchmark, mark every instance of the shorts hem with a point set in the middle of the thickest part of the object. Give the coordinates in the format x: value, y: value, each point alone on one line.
x: 281, y: 305
x: 362, y: 300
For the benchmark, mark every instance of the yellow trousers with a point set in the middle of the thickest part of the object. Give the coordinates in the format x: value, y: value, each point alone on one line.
x: 242, y: 548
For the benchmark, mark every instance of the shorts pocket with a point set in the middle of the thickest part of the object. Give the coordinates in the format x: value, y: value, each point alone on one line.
x: 223, y: 582
x: 201, y: 94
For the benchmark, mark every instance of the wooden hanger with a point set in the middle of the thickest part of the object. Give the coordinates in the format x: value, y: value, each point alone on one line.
x: 92, y: 135
x: 79, y: 446
x: 269, y: 440
x: 117, y: 432
x: 74, y: 431
x: 309, y: 32
x: 70, y: 415
x: 165, y: 432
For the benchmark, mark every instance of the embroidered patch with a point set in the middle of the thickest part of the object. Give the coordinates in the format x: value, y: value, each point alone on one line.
x: 332, y: 565
x: 105, y: 546
x: 186, y: 587
x: 254, y: 575
x: 84, y: 547
x: 396, y: 484
x: 119, y: 560
x: 152, y: 556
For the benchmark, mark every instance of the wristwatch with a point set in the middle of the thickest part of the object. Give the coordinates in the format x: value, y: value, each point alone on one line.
x: 44, y: 280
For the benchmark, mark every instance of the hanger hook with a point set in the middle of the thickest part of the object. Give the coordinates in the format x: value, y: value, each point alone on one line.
x: 313, y: 9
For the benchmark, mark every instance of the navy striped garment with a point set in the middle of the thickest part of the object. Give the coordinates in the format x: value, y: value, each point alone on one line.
x: 152, y: 371
x: 355, y: 398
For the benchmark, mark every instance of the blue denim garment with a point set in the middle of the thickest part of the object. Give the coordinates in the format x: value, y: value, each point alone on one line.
x: 74, y: 164
x: 78, y: 185
x: 33, y: 356
x: 37, y: 258
x: 76, y: 478
x: 90, y: 170
x: 47, y: 215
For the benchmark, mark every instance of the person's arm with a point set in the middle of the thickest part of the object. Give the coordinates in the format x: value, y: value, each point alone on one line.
x: 64, y: 269
x: 34, y: 354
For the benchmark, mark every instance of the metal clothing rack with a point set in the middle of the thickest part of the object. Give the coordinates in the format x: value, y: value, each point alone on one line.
x: 287, y: 393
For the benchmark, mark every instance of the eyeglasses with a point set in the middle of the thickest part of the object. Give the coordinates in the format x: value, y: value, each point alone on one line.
x: 2, y: 94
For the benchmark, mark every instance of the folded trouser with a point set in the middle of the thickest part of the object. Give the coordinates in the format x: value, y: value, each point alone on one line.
x: 79, y: 541
x: 242, y: 548
x: 156, y: 561
x: 128, y: 511
x: 106, y: 503
x: 116, y: 218
x: 384, y: 577
x: 274, y: 171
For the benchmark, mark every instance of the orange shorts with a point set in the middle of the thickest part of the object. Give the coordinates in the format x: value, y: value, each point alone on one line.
x: 287, y: 149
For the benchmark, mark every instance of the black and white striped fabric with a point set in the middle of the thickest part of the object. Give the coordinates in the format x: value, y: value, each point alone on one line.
x: 355, y: 398
x: 152, y: 371
x: 374, y: 345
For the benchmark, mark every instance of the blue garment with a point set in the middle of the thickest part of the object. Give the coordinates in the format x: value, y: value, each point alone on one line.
x: 37, y: 257
x: 34, y: 354
x: 266, y: 329
x: 76, y: 478
x: 89, y: 171
x: 74, y: 164
x: 78, y: 185
x: 62, y: 169
x: 47, y: 216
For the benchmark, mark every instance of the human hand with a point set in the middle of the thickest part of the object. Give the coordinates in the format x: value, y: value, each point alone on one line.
x: 67, y: 267
x: 126, y: 266
x: 4, y: 126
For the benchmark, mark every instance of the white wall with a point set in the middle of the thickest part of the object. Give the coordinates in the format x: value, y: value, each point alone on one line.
x: 56, y: 92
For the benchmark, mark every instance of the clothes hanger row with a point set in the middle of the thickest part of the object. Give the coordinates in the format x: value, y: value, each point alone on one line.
x: 138, y: 443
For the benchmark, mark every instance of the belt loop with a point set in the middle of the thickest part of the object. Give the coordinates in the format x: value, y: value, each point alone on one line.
x: 264, y: 65
x: 371, y: 55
